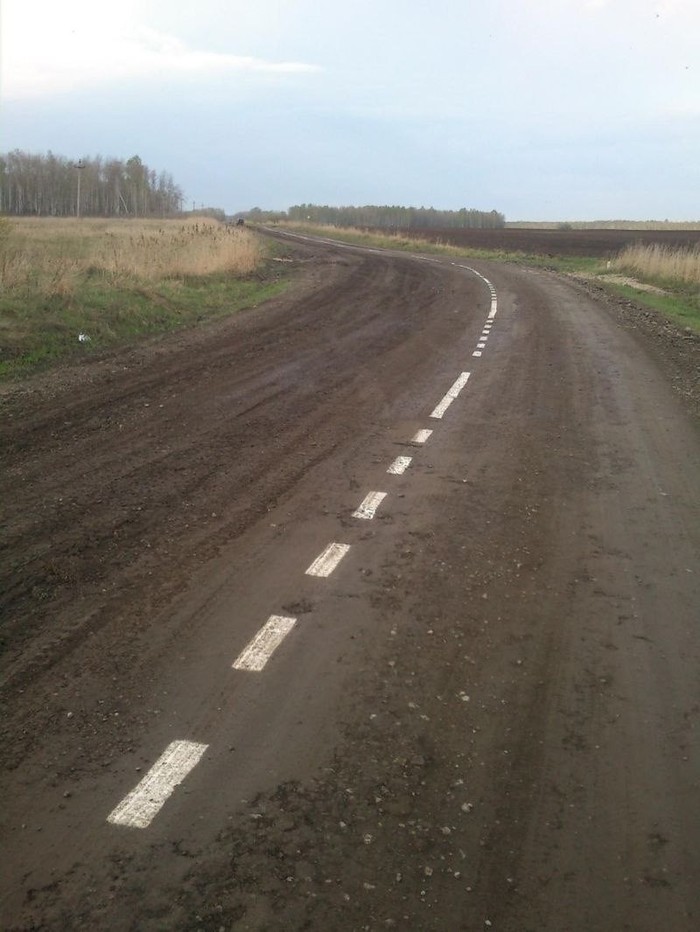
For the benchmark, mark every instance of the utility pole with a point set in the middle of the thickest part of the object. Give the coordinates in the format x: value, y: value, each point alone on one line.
x: 80, y: 166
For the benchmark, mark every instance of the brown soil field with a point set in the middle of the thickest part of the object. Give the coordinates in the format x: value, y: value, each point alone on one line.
x: 603, y: 243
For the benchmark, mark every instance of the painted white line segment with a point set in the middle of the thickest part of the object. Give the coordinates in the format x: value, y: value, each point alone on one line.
x: 421, y: 436
x: 451, y: 395
x: 477, y: 352
x: 369, y: 506
x: 492, y: 290
x: 480, y: 345
x: 142, y: 804
x: 400, y: 465
x: 264, y: 644
x: 324, y: 564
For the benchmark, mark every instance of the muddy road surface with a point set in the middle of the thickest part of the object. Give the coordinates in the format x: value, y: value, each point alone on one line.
x: 377, y: 606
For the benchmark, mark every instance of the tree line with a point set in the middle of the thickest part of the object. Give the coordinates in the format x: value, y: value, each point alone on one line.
x: 398, y: 218
x: 51, y: 185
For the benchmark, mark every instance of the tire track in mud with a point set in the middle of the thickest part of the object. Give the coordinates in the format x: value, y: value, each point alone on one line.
x: 113, y: 489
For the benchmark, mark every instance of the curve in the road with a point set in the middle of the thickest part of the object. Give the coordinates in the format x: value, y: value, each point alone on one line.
x: 142, y: 804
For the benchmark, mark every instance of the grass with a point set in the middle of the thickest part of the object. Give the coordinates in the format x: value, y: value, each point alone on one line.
x: 117, y: 281
x: 682, y: 308
x: 675, y: 271
x: 54, y: 256
x: 661, y: 265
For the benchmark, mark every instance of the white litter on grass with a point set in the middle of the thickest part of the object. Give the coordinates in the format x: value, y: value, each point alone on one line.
x: 83, y: 338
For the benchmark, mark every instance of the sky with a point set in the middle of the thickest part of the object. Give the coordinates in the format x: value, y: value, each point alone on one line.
x: 541, y: 109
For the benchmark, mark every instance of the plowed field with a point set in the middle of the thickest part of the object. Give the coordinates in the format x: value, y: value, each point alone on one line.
x: 602, y: 243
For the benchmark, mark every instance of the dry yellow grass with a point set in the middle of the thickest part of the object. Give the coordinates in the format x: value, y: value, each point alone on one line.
x: 51, y: 256
x: 661, y: 263
x: 69, y: 287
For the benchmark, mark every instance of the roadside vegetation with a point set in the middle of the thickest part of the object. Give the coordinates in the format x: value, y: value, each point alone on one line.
x: 661, y: 277
x: 70, y: 286
x: 661, y: 265
x: 664, y: 278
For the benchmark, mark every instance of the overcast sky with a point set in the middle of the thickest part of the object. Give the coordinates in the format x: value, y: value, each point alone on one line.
x: 543, y: 109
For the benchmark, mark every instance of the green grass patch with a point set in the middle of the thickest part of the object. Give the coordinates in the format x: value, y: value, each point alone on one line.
x: 37, y: 331
x: 680, y: 306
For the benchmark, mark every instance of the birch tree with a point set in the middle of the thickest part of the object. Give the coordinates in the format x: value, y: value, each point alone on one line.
x: 47, y: 185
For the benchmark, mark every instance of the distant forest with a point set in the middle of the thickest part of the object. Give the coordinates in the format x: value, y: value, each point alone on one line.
x: 48, y: 185
x: 386, y: 217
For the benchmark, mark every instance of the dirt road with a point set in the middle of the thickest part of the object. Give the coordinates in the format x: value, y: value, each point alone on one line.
x: 486, y: 714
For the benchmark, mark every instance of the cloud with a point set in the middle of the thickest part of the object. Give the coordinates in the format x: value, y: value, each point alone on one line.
x: 74, y: 45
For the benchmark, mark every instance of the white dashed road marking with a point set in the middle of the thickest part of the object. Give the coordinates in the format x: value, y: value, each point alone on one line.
x: 369, y: 506
x: 451, y: 395
x: 139, y: 807
x: 324, y: 564
x: 400, y: 465
x: 265, y: 643
x: 492, y: 290
x: 143, y: 803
